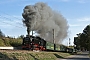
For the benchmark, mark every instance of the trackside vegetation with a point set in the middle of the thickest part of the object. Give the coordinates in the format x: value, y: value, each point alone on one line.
x: 82, y: 41
x: 10, y: 42
x: 32, y: 55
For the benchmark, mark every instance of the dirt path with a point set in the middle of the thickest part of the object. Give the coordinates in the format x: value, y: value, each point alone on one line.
x: 82, y: 56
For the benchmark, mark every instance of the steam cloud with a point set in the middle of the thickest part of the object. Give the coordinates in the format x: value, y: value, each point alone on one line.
x: 42, y: 19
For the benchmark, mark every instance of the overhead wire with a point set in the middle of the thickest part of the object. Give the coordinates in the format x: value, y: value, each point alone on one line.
x: 12, y: 20
x: 9, y: 15
x: 9, y: 18
x: 9, y: 23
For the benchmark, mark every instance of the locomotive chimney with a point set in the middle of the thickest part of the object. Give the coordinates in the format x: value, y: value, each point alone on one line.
x: 28, y: 31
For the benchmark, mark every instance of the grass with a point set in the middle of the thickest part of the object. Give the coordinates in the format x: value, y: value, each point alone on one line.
x: 2, y: 42
x: 16, y: 55
x: 32, y: 55
x: 10, y: 42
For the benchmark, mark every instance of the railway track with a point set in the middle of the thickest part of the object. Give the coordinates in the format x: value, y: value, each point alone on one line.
x: 12, y: 49
x: 18, y: 51
x: 15, y: 49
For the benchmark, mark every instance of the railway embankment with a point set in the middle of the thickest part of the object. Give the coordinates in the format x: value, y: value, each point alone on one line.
x: 12, y: 53
x: 30, y: 55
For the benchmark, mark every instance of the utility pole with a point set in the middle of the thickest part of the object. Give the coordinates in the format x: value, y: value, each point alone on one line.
x: 32, y: 32
x: 54, y: 40
x: 53, y: 35
x: 69, y: 42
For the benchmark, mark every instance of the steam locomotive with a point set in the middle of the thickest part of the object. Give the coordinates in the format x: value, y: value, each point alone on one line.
x: 33, y: 43
x: 37, y: 43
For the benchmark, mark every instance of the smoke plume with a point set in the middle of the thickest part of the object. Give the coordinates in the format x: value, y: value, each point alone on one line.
x: 42, y: 19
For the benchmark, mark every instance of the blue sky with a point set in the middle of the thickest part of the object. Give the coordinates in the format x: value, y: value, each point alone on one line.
x: 76, y: 12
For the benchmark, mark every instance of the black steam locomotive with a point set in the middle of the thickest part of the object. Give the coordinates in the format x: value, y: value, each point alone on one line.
x: 33, y: 43
x: 37, y: 43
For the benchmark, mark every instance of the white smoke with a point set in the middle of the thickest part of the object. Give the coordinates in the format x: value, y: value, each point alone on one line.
x: 42, y: 19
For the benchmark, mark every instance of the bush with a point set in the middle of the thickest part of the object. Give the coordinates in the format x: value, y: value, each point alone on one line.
x: 2, y: 42
x: 16, y: 42
x: 10, y: 42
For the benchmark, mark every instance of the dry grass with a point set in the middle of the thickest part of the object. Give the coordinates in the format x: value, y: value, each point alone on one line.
x: 30, y: 55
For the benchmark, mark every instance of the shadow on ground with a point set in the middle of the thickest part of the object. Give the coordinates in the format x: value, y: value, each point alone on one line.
x: 5, y: 57
x: 58, y: 56
x: 34, y: 57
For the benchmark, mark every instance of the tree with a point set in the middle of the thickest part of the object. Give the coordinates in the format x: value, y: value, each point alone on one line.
x: 86, y: 31
x: 83, y: 39
x: 1, y: 34
x: 21, y: 36
x: 77, y: 41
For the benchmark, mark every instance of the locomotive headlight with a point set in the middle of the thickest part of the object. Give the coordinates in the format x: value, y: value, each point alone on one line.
x: 39, y: 42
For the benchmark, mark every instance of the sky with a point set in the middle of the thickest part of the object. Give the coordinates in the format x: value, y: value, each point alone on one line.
x: 76, y: 12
